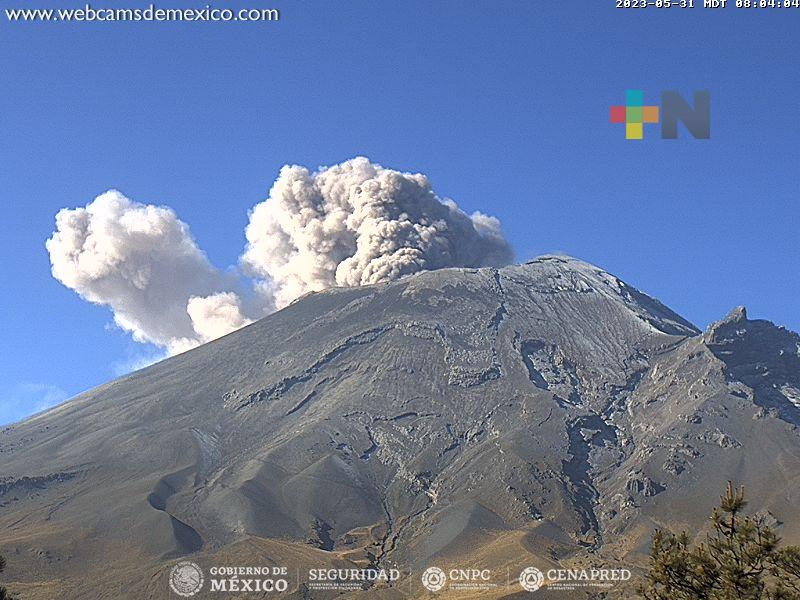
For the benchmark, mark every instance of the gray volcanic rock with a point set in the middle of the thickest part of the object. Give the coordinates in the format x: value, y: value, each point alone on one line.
x: 404, y: 423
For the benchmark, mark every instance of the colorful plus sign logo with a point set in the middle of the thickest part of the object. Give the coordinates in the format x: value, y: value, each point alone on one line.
x: 634, y: 115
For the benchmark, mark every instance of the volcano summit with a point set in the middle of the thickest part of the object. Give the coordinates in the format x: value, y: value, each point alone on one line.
x: 542, y: 414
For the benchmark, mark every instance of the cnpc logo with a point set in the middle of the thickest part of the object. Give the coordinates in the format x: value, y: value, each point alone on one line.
x: 635, y: 114
x: 435, y: 579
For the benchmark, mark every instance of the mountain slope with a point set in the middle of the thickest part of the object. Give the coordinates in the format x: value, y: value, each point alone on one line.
x: 398, y: 424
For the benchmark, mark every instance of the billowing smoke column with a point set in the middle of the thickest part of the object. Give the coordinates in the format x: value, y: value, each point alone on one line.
x: 141, y: 261
x: 358, y: 223
x: 353, y: 224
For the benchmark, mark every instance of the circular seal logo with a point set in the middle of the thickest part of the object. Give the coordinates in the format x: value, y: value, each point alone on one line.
x: 434, y: 579
x: 186, y: 579
x: 531, y: 579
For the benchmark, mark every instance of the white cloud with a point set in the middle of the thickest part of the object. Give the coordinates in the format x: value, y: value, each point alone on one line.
x: 216, y: 315
x: 141, y: 261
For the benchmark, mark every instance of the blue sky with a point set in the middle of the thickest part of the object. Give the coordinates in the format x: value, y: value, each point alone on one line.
x: 504, y: 105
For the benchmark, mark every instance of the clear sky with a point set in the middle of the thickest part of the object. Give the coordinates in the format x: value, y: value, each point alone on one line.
x: 504, y: 105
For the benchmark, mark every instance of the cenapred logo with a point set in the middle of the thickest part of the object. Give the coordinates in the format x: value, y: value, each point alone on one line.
x: 531, y: 579
x: 635, y: 114
x: 434, y: 579
x: 186, y: 579
x: 573, y: 580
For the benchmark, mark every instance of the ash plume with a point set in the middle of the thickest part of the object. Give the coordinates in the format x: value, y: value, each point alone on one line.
x: 141, y: 261
x: 352, y: 224
x: 359, y: 223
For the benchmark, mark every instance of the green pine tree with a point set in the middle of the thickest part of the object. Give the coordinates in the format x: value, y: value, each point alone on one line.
x: 739, y: 560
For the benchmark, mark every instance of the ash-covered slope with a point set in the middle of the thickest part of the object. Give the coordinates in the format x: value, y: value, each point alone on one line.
x: 547, y: 403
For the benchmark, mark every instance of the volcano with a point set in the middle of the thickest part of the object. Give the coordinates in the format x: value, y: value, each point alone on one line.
x: 545, y: 413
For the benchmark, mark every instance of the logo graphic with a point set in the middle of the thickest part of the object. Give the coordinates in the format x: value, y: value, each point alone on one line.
x: 186, y: 579
x: 434, y: 579
x: 531, y: 579
x: 674, y: 108
x: 634, y: 115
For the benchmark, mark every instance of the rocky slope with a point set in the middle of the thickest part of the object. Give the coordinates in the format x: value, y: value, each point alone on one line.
x: 545, y: 413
